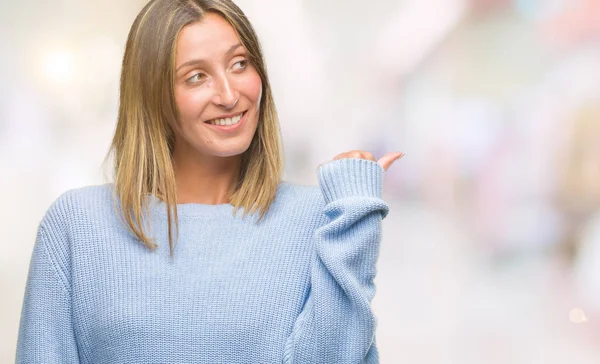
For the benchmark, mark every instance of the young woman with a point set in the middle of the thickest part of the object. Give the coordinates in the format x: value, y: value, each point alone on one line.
x: 290, y: 280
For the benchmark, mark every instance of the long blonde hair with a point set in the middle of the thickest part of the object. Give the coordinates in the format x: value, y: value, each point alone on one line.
x: 143, y: 142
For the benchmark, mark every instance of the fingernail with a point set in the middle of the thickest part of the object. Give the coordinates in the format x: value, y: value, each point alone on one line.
x: 400, y: 155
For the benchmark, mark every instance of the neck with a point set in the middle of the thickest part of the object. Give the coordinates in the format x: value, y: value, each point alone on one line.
x: 206, y: 179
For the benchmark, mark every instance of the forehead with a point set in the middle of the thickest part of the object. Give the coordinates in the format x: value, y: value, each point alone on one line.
x: 210, y: 37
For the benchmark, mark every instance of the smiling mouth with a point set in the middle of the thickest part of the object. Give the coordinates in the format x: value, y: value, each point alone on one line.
x: 227, y: 121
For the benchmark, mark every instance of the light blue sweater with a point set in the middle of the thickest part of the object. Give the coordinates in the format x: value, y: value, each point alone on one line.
x: 294, y: 288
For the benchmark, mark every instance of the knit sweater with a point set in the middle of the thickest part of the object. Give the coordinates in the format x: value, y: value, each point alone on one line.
x: 293, y: 288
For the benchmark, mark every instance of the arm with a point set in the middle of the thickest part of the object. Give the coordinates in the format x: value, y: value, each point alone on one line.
x: 337, y: 325
x: 46, y: 332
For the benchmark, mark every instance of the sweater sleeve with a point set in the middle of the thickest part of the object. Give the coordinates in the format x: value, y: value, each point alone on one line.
x: 336, y: 324
x: 46, y: 332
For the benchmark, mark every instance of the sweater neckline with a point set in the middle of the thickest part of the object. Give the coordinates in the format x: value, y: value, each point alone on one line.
x: 159, y: 207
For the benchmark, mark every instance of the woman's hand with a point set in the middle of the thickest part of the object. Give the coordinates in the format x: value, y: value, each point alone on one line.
x: 385, y: 161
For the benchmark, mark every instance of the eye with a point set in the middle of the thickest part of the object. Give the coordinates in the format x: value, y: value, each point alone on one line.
x: 243, y: 63
x: 194, y: 78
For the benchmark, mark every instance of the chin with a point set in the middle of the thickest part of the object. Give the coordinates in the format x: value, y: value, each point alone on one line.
x: 232, y: 152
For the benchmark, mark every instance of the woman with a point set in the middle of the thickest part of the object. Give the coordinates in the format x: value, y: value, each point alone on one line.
x: 198, y: 139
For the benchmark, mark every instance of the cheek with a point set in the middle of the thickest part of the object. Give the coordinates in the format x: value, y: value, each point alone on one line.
x: 253, y: 87
x: 190, y: 103
x: 182, y: 101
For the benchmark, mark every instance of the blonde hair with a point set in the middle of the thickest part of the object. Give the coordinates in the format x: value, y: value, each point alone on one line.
x: 144, y: 139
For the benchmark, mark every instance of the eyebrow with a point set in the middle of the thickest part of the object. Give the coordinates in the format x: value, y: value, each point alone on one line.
x: 194, y: 61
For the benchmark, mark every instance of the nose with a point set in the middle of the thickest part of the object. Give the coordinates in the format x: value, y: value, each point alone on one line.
x: 226, y: 94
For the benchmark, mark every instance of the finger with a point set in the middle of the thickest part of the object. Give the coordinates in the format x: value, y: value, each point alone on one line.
x: 369, y: 156
x: 387, y: 160
x: 360, y: 154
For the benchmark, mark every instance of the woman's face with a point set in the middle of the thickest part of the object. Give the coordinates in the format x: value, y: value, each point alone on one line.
x: 214, y: 83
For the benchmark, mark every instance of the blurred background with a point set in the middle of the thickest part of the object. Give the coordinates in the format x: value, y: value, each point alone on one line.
x: 491, y: 250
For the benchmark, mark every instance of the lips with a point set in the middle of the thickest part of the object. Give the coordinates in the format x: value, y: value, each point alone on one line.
x: 229, y: 128
x: 227, y: 117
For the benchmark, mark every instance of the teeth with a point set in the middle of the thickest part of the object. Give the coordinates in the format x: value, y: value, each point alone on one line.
x: 228, y: 121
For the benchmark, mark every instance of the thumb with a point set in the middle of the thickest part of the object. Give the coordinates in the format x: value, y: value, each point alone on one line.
x: 387, y: 160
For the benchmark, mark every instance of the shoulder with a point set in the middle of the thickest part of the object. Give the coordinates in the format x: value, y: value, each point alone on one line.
x: 299, y: 202
x: 295, y: 194
x: 73, y: 213
x: 76, y: 205
x: 294, y: 191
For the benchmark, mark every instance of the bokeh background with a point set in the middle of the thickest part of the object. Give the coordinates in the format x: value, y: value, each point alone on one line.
x: 491, y: 250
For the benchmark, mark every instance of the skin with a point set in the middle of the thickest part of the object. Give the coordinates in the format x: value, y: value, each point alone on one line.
x: 207, y: 160
x: 224, y: 82
x: 385, y: 161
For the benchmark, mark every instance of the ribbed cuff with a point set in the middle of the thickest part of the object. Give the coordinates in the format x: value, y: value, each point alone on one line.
x: 350, y: 177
